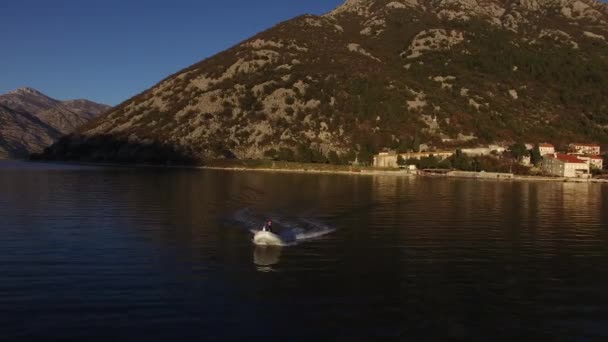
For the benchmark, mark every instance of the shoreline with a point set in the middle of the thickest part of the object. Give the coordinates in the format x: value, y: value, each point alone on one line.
x: 325, y: 169
x: 520, y: 178
x: 312, y: 171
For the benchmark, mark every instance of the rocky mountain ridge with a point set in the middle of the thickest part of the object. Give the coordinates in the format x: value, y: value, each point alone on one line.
x: 31, y: 121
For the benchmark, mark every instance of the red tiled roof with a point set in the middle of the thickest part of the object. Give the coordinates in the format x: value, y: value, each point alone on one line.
x: 545, y: 145
x: 596, y: 157
x: 566, y: 158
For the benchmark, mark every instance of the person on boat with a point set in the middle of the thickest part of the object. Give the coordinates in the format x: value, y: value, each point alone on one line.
x: 268, y: 226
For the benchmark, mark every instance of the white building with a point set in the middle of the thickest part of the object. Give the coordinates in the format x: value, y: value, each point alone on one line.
x: 564, y: 165
x: 594, y: 162
x: 441, y: 155
x: 590, y: 149
x: 483, y: 151
x: 546, y: 148
x: 386, y: 159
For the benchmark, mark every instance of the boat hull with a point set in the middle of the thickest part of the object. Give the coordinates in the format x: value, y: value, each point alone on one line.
x: 265, y: 238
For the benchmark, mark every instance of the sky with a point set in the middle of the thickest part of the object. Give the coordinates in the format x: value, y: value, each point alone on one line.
x: 108, y: 51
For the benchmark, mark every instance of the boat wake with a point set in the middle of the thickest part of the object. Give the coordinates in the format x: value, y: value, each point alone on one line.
x: 290, y: 230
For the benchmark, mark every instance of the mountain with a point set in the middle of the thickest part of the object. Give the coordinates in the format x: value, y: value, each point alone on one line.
x: 22, y: 133
x: 373, y: 74
x: 65, y: 116
x: 31, y: 121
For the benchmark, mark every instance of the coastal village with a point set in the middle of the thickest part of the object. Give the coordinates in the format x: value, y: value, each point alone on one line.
x: 579, y: 161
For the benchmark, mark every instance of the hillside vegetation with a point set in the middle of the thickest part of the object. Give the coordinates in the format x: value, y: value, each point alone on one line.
x: 374, y: 74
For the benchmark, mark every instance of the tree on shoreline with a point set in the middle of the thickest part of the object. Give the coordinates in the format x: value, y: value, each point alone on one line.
x: 535, y: 156
x: 519, y: 151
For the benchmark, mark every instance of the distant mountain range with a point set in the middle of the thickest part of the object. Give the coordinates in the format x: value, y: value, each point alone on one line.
x: 374, y: 74
x: 31, y: 121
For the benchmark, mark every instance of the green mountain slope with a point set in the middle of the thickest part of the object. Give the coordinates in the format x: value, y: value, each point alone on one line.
x: 375, y: 74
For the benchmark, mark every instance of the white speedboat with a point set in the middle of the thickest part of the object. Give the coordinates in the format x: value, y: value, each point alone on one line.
x: 266, y: 238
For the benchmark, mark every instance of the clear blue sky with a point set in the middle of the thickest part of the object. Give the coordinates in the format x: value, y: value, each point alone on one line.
x: 108, y: 51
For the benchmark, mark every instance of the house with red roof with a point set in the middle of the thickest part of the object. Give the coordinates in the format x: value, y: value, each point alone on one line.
x: 546, y: 148
x: 565, y: 165
x: 589, y: 149
x: 595, y: 162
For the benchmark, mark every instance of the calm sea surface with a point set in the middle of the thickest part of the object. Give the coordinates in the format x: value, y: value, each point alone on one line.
x: 92, y: 253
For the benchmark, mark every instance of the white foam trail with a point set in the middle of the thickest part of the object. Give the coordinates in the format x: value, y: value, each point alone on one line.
x: 319, y: 230
x: 244, y: 217
x: 311, y: 230
x: 292, y: 231
x: 313, y: 235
